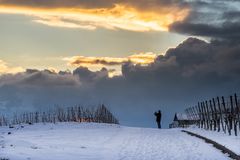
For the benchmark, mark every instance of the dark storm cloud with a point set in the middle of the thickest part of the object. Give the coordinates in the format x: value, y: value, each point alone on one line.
x: 216, y: 19
x: 86, y: 75
x: 194, y: 62
x: 192, y: 71
x: 234, y: 15
x: 227, y: 31
x: 38, y: 78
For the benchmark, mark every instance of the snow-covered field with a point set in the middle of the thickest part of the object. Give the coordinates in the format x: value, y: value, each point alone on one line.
x: 91, y: 141
x: 231, y: 142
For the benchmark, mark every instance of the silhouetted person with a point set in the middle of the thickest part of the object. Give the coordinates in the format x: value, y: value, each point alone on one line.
x: 158, y: 118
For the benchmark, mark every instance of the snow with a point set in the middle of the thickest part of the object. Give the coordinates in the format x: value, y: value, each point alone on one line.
x: 231, y: 142
x: 182, y: 116
x: 91, y: 141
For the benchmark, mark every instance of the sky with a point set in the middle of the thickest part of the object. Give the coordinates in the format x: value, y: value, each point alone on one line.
x: 134, y: 56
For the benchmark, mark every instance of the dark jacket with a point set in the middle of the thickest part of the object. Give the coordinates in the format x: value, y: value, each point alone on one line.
x: 158, y: 116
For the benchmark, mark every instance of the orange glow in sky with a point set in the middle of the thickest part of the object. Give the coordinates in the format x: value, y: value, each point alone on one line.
x: 119, y: 17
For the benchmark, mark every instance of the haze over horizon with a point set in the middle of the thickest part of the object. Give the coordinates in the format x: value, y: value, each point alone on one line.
x: 134, y: 56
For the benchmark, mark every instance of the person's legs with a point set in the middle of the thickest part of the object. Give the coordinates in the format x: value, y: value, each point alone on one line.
x: 159, y: 125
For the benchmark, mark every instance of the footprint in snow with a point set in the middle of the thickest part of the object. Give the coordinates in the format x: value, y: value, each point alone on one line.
x: 34, y: 147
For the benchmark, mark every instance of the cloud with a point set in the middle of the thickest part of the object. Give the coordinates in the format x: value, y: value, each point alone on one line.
x: 93, y: 4
x: 195, y: 70
x: 57, y: 22
x: 111, y: 63
x: 213, y: 19
x: 141, y: 58
x: 4, y: 68
x: 86, y: 61
x: 209, y: 18
x: 36, y: 78
x: 87, y: 76
x: 228, y: 31
x: 126, y: 15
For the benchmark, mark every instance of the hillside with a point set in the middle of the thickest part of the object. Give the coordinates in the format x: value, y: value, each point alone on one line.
x: 91, y: 141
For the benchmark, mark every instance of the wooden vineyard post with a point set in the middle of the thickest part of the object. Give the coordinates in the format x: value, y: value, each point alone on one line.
x: 208, y: 115
x: 237, y: 110
x: 233, y: 117
x: 231, y: 114
x: 200, y: 116
x: 217, y: 116
x: 226, y: 116
x: 214, y: 119
x: 194, y: 115
x: 197, y: 115
x: 204, y: 115
x: 221, y: 115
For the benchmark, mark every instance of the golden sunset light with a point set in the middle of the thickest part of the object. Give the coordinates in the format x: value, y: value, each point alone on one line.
x: 118, y: 17
x: 112, y: 63
x: 142, y: 58
x: 5, y: 69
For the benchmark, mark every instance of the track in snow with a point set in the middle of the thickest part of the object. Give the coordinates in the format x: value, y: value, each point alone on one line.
x: 103, y: 142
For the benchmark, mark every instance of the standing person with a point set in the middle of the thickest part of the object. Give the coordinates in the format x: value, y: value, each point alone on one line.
x: 158, y: 118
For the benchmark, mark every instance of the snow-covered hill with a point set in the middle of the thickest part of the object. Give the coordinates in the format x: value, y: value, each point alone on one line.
x: 91, y: 141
